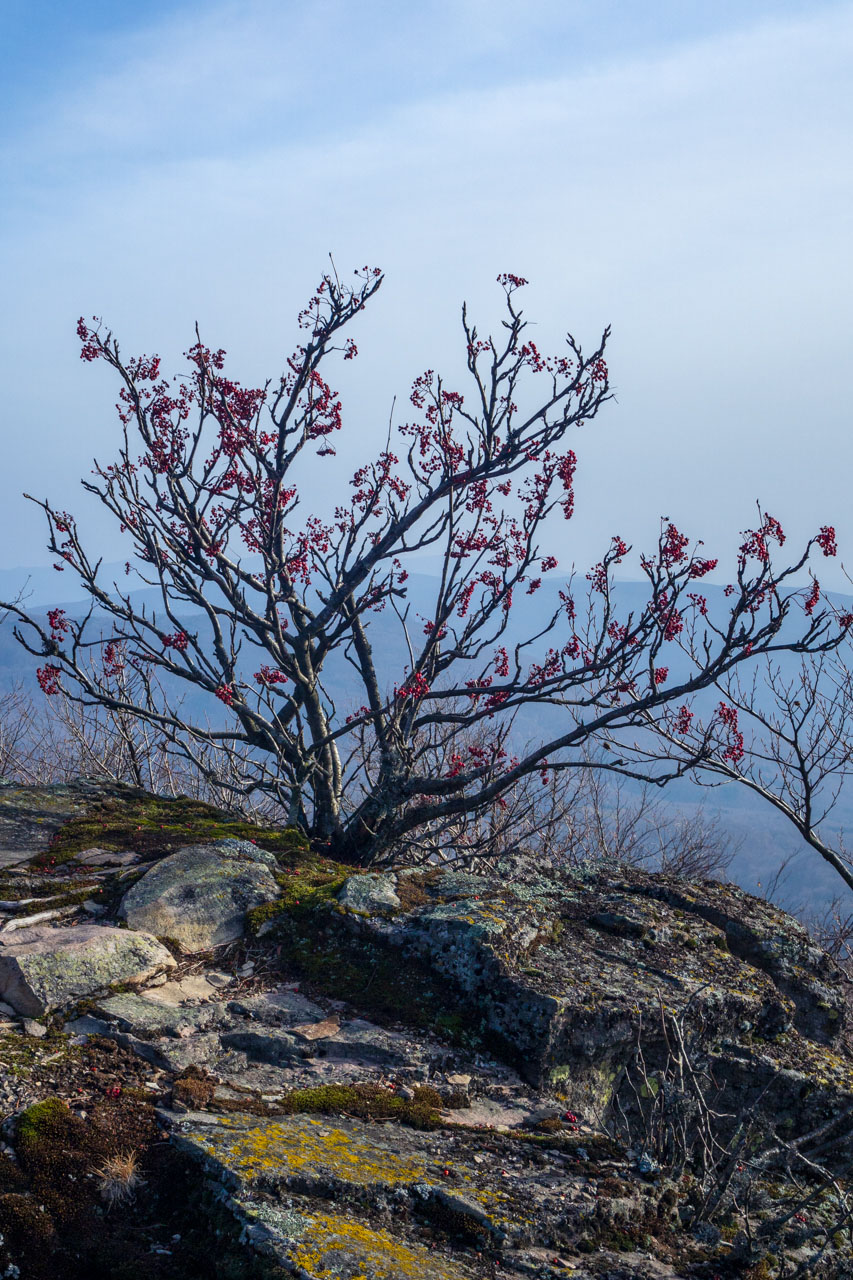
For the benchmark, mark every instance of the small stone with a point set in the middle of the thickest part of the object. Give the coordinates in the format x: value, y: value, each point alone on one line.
x: 318, y: 1030
x: 33, y: 1028
x: 218, y: 979
x: 370, y: 895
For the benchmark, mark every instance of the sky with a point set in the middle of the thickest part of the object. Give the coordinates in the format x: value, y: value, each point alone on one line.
x: 679, y: 171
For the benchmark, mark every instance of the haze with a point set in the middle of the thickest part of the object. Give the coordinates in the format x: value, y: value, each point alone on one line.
x: 681, y: 173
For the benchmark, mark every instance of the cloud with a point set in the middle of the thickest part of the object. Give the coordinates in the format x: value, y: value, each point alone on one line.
x: 693, y: 195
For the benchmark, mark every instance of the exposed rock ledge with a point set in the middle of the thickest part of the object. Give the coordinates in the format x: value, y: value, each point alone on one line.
x: 412, y: 1073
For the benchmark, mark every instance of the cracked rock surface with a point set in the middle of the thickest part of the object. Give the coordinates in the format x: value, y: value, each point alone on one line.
x: 411, y: 1073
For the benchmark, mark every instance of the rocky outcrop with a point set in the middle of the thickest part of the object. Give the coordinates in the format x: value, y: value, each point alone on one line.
x: 567, y: 972
x: 315, y: 1192
x: 45, y: 969
x: 429, y: 1072
x: 31, y: 816
x: 199, y: 898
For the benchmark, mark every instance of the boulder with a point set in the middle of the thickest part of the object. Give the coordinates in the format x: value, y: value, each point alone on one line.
x: 44, y: 969
x: 566, y: 971
x: 198, y: 898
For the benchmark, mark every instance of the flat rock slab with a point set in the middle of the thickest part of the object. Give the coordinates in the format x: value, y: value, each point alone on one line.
x: 344, y: 1158
x: 44, y: 969
x: 191, y: 989
x: 198, y: 898
x: 107, y: 858
x: 281, y: 1007
x: 31, y: 816
x: 312, y: 1186
x: 151, y: 1019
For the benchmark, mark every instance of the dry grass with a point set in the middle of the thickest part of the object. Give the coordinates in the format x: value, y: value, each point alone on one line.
x: 119, y: 1179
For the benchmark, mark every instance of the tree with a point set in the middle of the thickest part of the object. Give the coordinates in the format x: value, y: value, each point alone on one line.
x: 207, y: 487
x: 794, y: 743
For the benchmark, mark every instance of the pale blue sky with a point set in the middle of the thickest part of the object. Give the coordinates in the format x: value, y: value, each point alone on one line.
x: 680, y: 170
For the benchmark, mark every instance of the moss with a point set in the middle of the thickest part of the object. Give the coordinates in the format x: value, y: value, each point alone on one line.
x: 23, y: 1222
x: 597, y: 1146
x: 194, y: 1087
x: 613, y: 1188
x: 412, y: 890
x: 19, y: 1055
x: 364, y: 1101
x: 367, y: 1102
x: 762, y: 1270
x: 11, y: 1177
x: 42, y: 1121
x: 153, y: 825
x: 306, y: 882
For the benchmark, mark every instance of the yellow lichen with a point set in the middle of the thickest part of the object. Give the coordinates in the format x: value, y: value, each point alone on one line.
x: 372, y: 1254
x: 306, y: 1146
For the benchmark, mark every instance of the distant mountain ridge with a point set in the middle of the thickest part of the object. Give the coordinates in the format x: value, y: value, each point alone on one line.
x: 766, y: 838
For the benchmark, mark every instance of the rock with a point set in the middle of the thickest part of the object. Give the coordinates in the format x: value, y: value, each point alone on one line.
x: 33, y: 1028
x: 280, y: 1007
x: 564, y: 969
x: 193, y: 987
x: 199, y: 897
x: 31, y: 816
x: 318, y: 1030
x: 370, y: 895
x: 45, y: 969
x: 108, y: 858
x: 217, y: 979
x: 150, y: 1019
x: 313, y: 1192
x: 517, y: 998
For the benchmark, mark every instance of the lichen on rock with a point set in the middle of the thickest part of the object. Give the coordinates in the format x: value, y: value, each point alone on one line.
x: 200, y: 896
x: 44, y: 969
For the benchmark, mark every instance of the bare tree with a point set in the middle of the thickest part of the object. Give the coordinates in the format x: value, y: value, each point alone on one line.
x: 207, y: 489
x: 21, y: 736
x: 789, y: 741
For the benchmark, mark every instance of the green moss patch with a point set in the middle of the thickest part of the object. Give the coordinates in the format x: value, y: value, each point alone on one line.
x: 366, y: 1102
x: 306, y: 883
x: 153, y: 825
